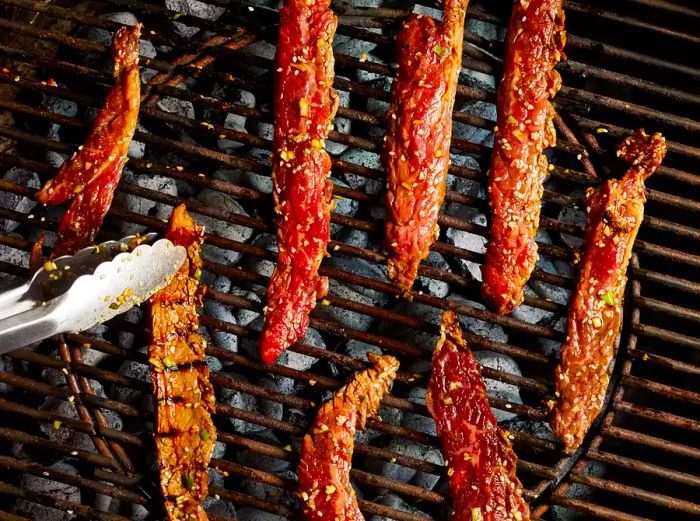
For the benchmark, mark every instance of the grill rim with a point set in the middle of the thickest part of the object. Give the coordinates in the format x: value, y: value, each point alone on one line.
x: 655, y: 248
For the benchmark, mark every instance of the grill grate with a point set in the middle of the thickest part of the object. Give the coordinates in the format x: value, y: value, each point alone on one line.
x: 205, y: 138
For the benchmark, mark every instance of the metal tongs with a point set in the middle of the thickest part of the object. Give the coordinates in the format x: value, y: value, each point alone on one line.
x: 74, y: 293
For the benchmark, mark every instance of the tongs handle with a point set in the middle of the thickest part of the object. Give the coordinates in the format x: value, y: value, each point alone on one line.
x: 29, y: 326
x: 10, y: 298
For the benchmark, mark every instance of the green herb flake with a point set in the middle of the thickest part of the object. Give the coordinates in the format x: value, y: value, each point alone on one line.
x: 179, y: 15
x: 114, y: 305
x: 167, y: 362
x: 608, y: 298
x: 187, y: 482
x: 440, y: 51
x: 204, y: 435
x: 198, y: 273
x: 56, y: 424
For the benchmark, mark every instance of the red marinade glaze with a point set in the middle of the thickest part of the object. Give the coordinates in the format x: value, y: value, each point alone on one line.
x: 326, y: 452
x: 614, y: 213
x: 534, y: 46
x: 416, y: 153
x: 480, y: 459
x: 91, y: 175
x: 305, y: 104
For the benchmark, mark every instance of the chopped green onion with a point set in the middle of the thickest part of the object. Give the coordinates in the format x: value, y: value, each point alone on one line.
x: 179, y: 15
x: 187, y: 482
x: 440, y: 51
x: 167, y: 362
x: 204, y: 435
x: 198, y: 273
x: 114, y: 305
x: 56, y: 424
x: 511, y: 119
x: 608, y: 298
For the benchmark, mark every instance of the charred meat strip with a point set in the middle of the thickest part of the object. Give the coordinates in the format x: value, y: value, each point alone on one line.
x: 534, y: 46
x: 416, y: 151
x: 305, y: 104
x: 480, y: 459
x: 326, y: 452
x: 88, y: 179
x: 614, y: 213
x: 184, y: 431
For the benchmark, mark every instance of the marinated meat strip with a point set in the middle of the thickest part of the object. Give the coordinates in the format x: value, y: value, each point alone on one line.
x: 534, y: 46
x: 326, y: 452
x: 91, y: 175
x: 36, y: 256
x: 480, y: 459
x: 305, y: 104
x: 614, y: 213
x: 88, y: 179
x: 184, y: 431
x: 416, y: 152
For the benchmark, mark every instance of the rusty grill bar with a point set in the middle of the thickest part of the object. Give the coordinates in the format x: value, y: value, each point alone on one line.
x: 630, y: 64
